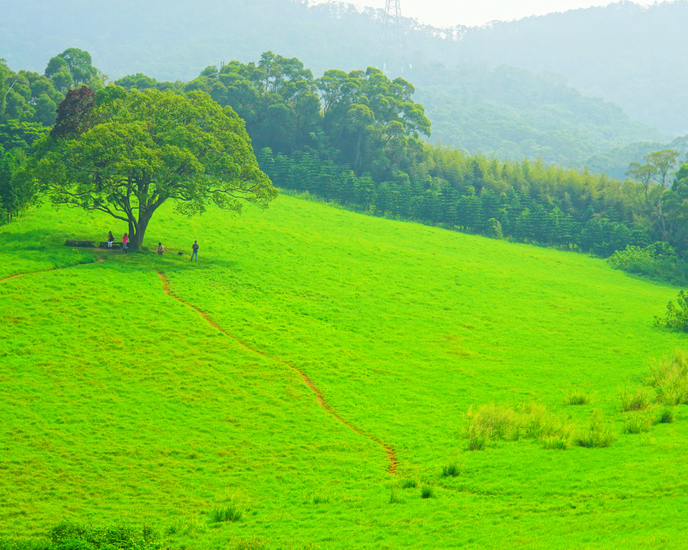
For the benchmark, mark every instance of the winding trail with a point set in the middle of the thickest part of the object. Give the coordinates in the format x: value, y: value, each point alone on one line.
x: 391, y: 456
x: 99, y: 260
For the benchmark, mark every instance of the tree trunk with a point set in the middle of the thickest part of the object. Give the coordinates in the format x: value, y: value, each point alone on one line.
x: 132, y: 232
x: 139, y: 231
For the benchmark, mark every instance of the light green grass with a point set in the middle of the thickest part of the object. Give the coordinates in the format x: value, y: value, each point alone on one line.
x: 122, y: 404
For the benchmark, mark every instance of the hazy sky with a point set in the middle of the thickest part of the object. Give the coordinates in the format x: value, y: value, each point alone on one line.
x: 447, y: 13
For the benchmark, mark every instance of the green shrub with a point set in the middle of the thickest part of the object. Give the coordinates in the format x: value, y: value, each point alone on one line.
x: 476, y: 440
x: 409, y: 484
x: 231, y: 512
x: 637, y: 423
x: 597, y: 435
x: 7, y: 544
x: 68, y: 535
x: 657, y: 260
x: 669, y: 376
x: 676, y: 315
x: 186, y: 526
x: 427, y: 492
x: 666, y: 416
x: 451, y: 470
x: 316, y: 498
x: 528, y: 420
x: 638, y: 401
x: 493, y: 421
x: 576, y: 397
x: 555, y: 443
x: 394, y: 497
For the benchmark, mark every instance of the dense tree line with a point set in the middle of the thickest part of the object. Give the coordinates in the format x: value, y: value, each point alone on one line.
x: 355, y: 138
x: 360, y: 119
x: 28, y: 105
x: 524, y: 201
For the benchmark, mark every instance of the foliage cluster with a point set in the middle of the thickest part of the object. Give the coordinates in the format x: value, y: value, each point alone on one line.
x: 69, y: 536
x: 576, y: 397
x: 230, y: 512
x: 657, y: 261
x: 637, y: 400
x: 669, y: 376
x: 597, y: 434
x: 676, y: 314
x: 32, y: 98
x: 494, y: 422
x: 28, y: 104
x: 361, y: 119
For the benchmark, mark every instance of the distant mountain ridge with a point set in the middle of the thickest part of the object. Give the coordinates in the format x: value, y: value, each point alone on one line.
x: 626, y: 53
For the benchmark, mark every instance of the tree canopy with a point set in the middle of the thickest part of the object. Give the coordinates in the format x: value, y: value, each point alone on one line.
x: 130, y: 152
x: 360, y: 118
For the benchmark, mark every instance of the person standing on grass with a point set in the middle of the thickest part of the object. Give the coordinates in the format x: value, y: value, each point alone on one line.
x: 125, y: 243
x: 194, y: 251
x: 111, y: 239
x: 161, y: 249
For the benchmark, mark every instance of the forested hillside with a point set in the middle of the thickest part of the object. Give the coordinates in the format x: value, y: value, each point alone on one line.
x: 473, y: 103
x: 356, y: 138
x: 512, y: 113
x: 28, y: 103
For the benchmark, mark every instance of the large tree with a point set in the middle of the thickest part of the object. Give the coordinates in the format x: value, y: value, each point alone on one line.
x: 654, y: 177
x: 135, y: 150
x: 73, y: 67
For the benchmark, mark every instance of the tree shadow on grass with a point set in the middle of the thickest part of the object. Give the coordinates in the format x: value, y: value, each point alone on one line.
x: 35, y: 251
x: 149, y: 261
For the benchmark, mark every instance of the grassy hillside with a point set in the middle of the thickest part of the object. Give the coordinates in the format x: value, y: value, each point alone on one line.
x: 126, y: 403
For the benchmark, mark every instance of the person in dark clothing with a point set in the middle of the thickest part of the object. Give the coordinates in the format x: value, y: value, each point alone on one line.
x: 194, y: 251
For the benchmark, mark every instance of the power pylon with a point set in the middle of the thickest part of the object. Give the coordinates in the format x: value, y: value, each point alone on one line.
x: 392, y: 17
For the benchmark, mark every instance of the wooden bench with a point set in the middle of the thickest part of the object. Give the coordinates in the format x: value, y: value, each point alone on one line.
x: 103, y: 244
x: 79, y: 243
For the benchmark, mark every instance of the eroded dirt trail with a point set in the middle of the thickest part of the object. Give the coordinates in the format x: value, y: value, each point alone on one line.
x: 99, y: 260
x: 391, y: 456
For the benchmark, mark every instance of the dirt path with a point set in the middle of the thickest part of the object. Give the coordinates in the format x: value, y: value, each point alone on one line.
x: 391, y: 456
x: 99, y: 260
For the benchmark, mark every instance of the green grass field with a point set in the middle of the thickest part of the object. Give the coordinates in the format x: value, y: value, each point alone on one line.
x: 189, y: 412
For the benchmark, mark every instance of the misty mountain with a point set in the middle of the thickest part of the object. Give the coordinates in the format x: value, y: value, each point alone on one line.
x: 625, y: 53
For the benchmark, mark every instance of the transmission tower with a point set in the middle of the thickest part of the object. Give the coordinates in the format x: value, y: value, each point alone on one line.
x: 392, y: 18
